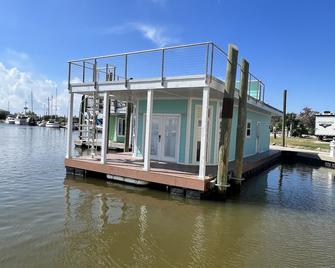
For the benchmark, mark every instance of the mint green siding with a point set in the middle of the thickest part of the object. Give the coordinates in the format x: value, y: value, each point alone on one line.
x: 113, y: 121
x: 180, y: 107
x: 164, y: 106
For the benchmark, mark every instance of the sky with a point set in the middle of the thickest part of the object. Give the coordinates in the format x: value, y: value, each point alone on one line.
x: 289, y: 43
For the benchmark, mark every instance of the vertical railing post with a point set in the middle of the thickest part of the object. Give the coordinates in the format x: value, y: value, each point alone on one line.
x: 206, y: 60
x: 162, y: 67
x: 107, y: 74
x: 126, y: 70
x: 212, y: 62
x: 95, y: 73
x: 68, y: 80
x: 84, y: 66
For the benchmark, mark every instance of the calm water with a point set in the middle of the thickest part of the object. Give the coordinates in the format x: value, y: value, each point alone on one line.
x: 283, y: 218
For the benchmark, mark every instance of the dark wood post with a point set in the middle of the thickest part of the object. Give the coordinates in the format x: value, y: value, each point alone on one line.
x: 241, y: 123
x: 227, y: 115
x: 284, y: 117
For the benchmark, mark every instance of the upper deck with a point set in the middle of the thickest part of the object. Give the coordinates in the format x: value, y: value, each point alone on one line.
x: 181, y: 71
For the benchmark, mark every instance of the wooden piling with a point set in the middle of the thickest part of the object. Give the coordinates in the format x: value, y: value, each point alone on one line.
x: 127, y: 132
x: 284, y: 118
x: 227, y: 115
x: 241, y: 123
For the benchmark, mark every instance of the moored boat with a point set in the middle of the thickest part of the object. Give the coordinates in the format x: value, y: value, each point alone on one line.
x: 10, y: 119
x: 21, y: 119
x: 52, y: 124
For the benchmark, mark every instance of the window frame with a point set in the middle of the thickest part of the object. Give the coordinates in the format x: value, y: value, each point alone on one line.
x: 246, y: 129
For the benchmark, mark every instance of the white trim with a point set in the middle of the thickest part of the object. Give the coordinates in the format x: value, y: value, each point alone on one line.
x: 188, y: 131
x: 147, y: 148
x: 204, y: 133
x: 135, y: 149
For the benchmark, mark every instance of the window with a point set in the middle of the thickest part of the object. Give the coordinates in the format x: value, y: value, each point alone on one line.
x: 248, y: 132
x: 121, y: 126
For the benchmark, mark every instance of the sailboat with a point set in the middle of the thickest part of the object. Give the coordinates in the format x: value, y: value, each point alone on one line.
x: 53, y: 123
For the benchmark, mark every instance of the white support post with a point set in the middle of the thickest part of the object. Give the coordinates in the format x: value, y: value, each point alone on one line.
x: 69, y: 127
x: 147, y: 142
x: 105, y: 119
x: 204, y: 133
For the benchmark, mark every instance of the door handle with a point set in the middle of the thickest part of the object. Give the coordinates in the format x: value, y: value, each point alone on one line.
x: 159, y: 138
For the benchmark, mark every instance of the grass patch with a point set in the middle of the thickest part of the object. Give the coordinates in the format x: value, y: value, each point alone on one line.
x: 303, y: 143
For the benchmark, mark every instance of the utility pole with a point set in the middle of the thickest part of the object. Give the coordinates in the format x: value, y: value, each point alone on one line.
x: 226, y: 121
x: 284, y: 117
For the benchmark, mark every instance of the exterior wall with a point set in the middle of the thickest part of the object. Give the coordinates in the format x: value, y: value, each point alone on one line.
x: 163, y: 106
x: 113, y: 120
x: 180, y: 107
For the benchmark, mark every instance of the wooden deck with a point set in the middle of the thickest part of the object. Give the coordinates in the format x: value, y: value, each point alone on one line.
x: 171, y: 174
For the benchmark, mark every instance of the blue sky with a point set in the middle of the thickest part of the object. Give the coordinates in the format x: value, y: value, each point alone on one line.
x: 289, y: 44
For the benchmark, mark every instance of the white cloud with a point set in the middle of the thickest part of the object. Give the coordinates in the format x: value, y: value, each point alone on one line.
x: 16, y: 87
x: 17, y: 59
x: 159, y: 35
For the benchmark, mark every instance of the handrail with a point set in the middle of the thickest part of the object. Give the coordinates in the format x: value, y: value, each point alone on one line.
x: 139, y: 52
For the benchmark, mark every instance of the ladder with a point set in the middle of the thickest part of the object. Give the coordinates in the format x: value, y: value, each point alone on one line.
x: 90, y: 109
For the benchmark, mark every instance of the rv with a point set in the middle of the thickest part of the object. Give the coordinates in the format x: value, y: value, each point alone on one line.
x: 325, y: 125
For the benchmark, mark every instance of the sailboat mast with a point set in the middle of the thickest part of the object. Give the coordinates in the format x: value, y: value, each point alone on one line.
x: 32, y: 101
x: 56, y: 104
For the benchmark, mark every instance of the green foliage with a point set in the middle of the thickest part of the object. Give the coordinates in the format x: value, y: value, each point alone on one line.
x: 301, y: 124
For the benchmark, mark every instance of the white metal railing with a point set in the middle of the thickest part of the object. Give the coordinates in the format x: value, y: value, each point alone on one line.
x: 204, y: 58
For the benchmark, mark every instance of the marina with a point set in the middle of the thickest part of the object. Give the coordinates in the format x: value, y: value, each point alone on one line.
x: 165, y: 133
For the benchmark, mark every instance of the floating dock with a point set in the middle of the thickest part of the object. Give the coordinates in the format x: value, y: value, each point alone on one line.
x: 165, y: 173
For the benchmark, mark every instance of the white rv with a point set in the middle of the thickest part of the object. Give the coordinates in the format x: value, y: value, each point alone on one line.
x: 325, y: 125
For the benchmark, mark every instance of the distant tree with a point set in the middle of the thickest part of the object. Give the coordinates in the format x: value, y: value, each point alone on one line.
x: 307, y: 118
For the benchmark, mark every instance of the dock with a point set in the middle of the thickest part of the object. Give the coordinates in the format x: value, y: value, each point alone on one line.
x: 170, y: 174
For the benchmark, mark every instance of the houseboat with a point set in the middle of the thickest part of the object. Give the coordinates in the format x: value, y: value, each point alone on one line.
x: 177, y: 104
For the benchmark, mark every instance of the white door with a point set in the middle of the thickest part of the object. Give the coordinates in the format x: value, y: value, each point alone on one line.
x: 170, y: 140
x: 165, y: 137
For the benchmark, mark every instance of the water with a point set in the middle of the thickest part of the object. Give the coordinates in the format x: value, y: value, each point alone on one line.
x: 284, y: 217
